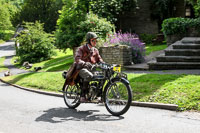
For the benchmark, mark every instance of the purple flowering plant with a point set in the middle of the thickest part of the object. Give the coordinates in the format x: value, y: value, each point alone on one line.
x: 132, y: 40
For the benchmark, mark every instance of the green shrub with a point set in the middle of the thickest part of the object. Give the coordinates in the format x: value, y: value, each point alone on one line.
x: 6, y: 13
x: 67, y: 32
x: 99, y: 25
x: 35, y: 45
x: 74, y: 23
x: 6, y: 34
x: 173, y: 26
x: 1, y: 41
x: 5, y: 22
x: 147, y: 38
x: 13, y: 9
x: 196, y: 6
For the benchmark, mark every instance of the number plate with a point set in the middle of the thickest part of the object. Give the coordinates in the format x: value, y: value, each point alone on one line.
x: 117, y: 68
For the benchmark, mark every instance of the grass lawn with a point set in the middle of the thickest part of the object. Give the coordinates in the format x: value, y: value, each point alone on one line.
x: 61, y: 61
x: 1, y: 41
x: 49, y: 81
x: 2, y: 67
x: 152, y: 48
x: 183, y: 90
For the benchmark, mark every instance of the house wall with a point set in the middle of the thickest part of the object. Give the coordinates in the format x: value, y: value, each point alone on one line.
x: 180, y: 8
x: 141, y: 22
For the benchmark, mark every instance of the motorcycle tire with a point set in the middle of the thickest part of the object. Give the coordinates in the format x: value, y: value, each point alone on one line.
x: 71, y: 96
x: 118, y: 93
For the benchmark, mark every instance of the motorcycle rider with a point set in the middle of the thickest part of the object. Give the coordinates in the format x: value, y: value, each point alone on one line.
x: 86, y: 55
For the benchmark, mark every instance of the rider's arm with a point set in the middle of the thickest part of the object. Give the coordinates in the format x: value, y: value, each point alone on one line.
x: 99, y: 57
x: 79, y: 56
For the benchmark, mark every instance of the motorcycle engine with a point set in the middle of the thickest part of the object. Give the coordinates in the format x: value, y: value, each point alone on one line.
x: 93, y: 91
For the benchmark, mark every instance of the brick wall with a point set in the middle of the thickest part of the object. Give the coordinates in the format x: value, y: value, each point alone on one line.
x: 116, y: 54
x: 141, y: 22
x: 180, y: 8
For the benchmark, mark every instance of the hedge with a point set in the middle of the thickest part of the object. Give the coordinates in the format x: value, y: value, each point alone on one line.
x: 173, y: 26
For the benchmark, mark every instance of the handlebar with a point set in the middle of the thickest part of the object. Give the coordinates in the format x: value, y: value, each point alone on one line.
x: 104, y: 66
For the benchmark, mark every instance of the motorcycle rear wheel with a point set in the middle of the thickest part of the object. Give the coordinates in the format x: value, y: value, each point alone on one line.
x: 71, y: 96
x: 118, y: 97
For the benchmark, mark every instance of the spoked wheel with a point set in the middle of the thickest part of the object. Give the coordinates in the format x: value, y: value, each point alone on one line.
x: 71, y: 96
x: 118, y: 97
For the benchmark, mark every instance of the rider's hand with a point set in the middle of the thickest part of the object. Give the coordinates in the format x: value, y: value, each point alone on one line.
x: 88, y: 65
x: 101, y: 64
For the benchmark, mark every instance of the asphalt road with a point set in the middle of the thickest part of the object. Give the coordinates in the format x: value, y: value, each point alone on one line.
x: 7, y: 49
x: 27, y: 112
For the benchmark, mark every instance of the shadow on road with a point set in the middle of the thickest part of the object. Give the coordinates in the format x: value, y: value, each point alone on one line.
x: 57, y: 115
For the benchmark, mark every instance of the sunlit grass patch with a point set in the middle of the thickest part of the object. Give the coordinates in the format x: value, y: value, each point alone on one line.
x: 152, y: 48
x: 183, y: 90
x: 62, y: 61
x: 48, y: 81
x: 1, y: 41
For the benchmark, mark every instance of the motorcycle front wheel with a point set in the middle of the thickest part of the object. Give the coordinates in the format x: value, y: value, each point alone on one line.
x: 71, y: 96
x: 118, y: 97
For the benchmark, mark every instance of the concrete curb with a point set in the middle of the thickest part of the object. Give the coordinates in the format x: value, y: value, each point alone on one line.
x: 134, y: 103
x: 155, y: 105
x: 34, y: 90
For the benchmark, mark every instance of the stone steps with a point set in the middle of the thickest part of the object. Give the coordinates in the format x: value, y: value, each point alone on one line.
x: 184, y: 54
x: 186, y: 46
x: 193, y: 40
x: 153, y: 65
x: 163, y: 58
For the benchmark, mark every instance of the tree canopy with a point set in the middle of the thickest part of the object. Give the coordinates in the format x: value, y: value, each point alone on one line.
x: 45, y: 11
x: 196, y: 5
x: 111, y: 9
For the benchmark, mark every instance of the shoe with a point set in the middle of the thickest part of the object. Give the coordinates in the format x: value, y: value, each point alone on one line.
x: 99, y: 100
x: 83, y: 100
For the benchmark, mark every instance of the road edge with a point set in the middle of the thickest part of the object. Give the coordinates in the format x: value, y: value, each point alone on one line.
x: 33, y: 90
x: 172, y: 107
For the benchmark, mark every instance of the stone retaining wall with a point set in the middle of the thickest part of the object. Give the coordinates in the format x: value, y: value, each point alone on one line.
x: 191, y: 32
x: 116, y: 55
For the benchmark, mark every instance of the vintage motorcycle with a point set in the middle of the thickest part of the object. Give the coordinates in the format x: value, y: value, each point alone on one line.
x: 109, y: 85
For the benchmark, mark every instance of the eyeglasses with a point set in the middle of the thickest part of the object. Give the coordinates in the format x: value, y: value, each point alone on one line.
x: 94, y: 40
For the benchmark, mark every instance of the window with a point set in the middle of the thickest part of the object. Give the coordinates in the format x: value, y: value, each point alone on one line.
x: 188, y: 12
